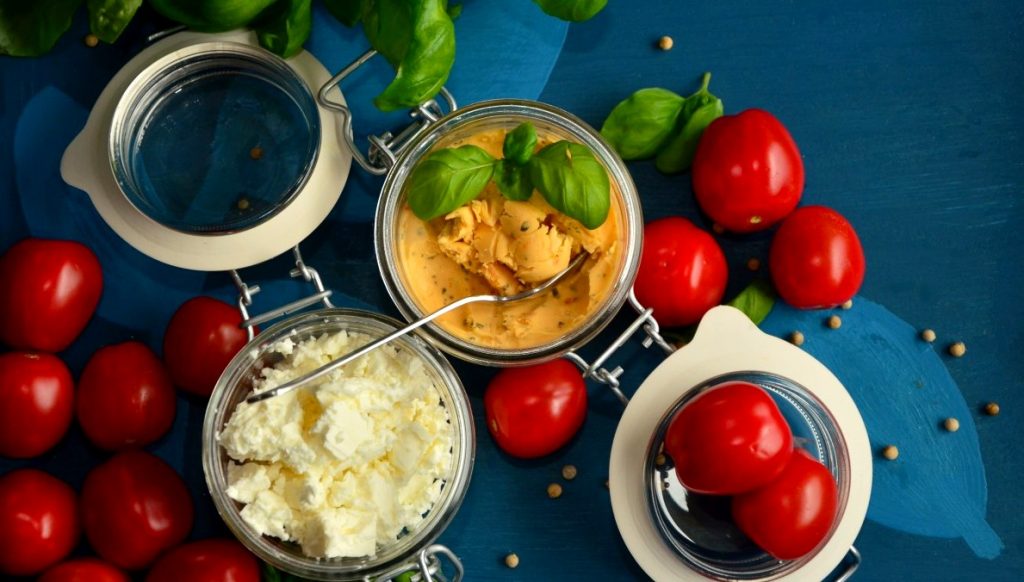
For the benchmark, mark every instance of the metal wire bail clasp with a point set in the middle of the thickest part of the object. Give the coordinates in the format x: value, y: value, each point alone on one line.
x: 385, y: 148
x: 427, y: 567
x: 596, y: 370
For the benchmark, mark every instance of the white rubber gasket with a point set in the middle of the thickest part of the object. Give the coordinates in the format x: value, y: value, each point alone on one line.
x: 727, y: 341
x: 85, y: 166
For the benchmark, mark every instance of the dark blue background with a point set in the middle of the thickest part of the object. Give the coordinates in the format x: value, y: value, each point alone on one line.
x: 909, y: 118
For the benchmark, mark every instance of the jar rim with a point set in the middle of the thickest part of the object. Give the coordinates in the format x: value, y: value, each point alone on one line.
x: 393, y: 190
x: 226, y: 396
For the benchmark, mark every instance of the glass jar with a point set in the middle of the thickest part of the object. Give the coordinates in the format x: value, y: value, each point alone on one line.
x: 411, y: 550
x: 699, y: 528
x: 507, y: 114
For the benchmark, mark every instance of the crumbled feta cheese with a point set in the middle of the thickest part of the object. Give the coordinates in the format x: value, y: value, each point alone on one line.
x: 346, y: 464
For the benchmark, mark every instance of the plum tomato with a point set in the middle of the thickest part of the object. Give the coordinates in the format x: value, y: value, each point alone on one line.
x: 39, y: 522
x: 36, y: 403
x: 213, y: 560
x: 747, y: 172
x: 49, y: 290
x: 682, y: 271
x: 816, y: 260
x: 790, y: 516
x: 729, y: 439
x: 201, y: 338
x: 134, y: 507
x: 533, y: 411
x: 125, y: 397
x: 84, y: 570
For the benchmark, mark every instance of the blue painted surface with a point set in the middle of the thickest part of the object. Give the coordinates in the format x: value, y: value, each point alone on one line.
x: 909, y: 120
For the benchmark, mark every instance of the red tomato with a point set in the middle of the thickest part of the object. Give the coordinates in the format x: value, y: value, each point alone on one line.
x: 682, y: 271
x: 200, y: 340
x: 134, y: 506
x: 84, y: 570
x: 534, y: 410
x: 747, y: 171
x: 790, y: 516
x: 125, y: 398
x: 816, y: 259
x: 38, y: 521
x: 36, y: 401
x: 729, y: 439
x: 48, y: 291
x: 215, y: 560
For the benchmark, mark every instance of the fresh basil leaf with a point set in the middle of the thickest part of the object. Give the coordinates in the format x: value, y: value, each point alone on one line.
x: 638, y: 126
x: 30, y: 29
x: 348, y: 12
x: 270, y: 574
x: 513, y: 180
x: 572, y: 10
x: 285, y: 26
x: 756, y: 301
x: 699, y: 111
x: 211, y: 15
x: 520, y: 143
x: 108, y: 18
x: 573, y: 181
x: 447, y: 179
x: 418, y: 39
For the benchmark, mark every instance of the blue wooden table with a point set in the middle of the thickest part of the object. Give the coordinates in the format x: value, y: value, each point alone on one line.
x: 909, y: 118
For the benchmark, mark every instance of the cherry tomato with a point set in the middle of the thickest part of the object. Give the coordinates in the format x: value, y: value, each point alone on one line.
x: 36, y: 402
x: 38, y: 521
x: 790, y: 516
x: 534, y: 410
x: 729, y: 439
x: 84, y: 570
x: 747, y: 171
x: 134, y: 506
x: 816, y: 259
x: 200, y: 340
x: 215, y: 560
x: 682, y: 271
x: 125, y: 398
x: 48, y: 291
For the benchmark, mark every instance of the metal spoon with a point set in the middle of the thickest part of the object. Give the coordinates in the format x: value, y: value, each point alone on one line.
x: 334, y: 365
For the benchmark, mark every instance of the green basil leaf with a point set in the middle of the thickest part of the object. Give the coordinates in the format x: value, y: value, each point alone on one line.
x: 638, y: 126
x: 211, y: 15
x: 572, y: 10
x: 285, y: 26
x: 270, y: 574
x: 756, y: 301
x: 31, y: 28
x: 513, y: 180
x: 348, y: 12
x: 573, y: 181
x: 447, y: 179
x: 108, y: 18
x: 677, y: 154
x: 520, y: 143
x: 418, y: 39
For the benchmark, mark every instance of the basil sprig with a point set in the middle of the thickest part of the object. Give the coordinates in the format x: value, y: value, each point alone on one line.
x: 657, y: 122
x: 567, y: 175
x: 756, y: 301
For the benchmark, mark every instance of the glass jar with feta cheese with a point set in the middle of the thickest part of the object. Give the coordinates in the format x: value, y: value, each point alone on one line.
x: 350, y: 478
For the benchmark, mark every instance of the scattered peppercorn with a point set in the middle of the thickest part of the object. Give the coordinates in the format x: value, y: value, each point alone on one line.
x: 991, y: 409
x: 569, y: 472
x: 91, y: 40
x: 796, y: 338
x: 606, y: 484
x: 554, y: 491
x: 834, y: 322
x: 951, y: 424
x: 665, y: 43
x: 753, y: 263
x: 957, y: 350
x: 243, y: 203
x: 848, y: 304
x: 928, y: 335
x: 659, y: 460
x: 718, y: 228
x: 890, y: 452
x: 256, y: 153
x: 511, y: 560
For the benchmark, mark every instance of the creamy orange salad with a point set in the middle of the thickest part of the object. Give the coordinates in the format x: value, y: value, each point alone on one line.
x: 497, y: 245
